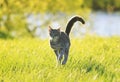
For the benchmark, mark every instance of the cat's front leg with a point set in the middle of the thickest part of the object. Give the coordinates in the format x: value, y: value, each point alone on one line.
x: 65, y: 56
x: 58, y: 56
x: 56, y: 53
x: 61, y: 53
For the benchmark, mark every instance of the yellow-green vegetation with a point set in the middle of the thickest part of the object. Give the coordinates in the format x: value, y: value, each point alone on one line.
x: 91, y: 59
x: 14, y: 14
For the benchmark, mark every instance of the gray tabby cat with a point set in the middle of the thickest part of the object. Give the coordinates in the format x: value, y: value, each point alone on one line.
x: 60, y: 41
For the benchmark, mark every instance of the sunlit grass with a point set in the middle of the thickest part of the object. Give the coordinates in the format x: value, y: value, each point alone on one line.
x: 91, y: 59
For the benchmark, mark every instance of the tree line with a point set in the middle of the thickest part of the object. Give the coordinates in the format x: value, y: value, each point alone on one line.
x: 13, y: 13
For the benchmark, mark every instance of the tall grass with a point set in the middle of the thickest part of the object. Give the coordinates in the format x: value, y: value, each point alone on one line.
x: 91, y: 59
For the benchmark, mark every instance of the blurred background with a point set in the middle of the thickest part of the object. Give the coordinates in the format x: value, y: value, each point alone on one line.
x: 31, y: 18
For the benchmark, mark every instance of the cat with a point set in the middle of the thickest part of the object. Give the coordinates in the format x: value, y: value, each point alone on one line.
x: 60, y: 41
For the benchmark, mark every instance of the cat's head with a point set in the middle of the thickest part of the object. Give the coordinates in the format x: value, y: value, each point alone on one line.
x: 54, y: 33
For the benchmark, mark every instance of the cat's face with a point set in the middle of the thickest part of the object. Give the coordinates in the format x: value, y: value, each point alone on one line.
x: 54, y: 33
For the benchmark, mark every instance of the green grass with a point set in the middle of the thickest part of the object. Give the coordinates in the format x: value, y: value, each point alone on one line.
x: 91, y: 59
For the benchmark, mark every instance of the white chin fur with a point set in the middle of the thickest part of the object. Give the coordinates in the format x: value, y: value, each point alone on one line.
x: 51, y: 38
x: 54, y: 39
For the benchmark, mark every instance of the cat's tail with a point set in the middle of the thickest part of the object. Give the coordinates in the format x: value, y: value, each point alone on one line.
x: 71, y: 23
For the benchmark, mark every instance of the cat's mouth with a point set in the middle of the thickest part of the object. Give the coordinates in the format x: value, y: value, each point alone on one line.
x: 55, y: 38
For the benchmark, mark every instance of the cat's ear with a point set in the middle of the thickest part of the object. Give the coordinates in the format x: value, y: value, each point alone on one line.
x: 58, y: 29
x: 49, y: 28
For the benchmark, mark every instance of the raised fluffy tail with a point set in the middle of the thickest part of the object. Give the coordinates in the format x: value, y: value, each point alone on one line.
x: 71, y: 23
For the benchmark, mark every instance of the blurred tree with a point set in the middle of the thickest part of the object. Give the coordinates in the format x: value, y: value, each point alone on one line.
x: 13, y: 13
x: 104, y: 5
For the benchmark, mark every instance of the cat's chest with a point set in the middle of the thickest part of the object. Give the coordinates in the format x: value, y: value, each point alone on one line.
x: 55, y: 45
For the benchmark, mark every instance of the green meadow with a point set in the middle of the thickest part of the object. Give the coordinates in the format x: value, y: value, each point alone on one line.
x: 91, y: 59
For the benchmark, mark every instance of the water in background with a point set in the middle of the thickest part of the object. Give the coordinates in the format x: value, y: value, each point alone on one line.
x: 105, y: 24
x: 100, y: 23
